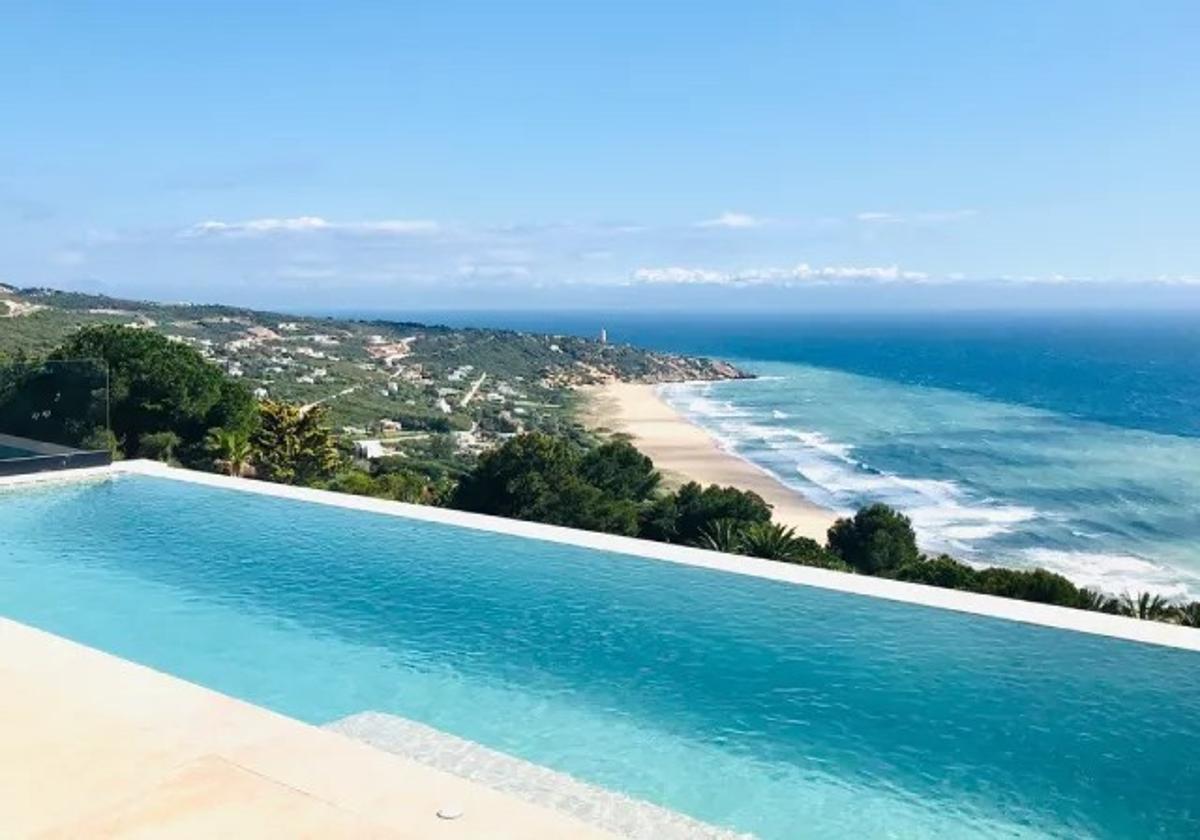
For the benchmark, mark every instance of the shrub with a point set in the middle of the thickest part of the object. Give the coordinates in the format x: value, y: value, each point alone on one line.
x: 943, y: 571
x: 878, y: 540
x: 158, y: 446
x: 294, y: 446
x: 1037, y: 585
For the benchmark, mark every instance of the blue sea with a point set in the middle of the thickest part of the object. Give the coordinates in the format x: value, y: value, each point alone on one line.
x: 1068, y: 441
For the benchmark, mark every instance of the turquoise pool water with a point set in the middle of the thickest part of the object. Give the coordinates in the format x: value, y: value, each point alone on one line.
x: 777, y: 709
x: 7, y: 452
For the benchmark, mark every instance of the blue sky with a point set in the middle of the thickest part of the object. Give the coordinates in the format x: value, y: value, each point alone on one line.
x: 390, y: 155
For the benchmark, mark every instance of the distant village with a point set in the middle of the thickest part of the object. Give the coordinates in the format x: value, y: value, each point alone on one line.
x: 390, y: 389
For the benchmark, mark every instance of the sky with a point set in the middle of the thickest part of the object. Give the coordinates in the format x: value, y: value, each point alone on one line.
x: 690, y: 155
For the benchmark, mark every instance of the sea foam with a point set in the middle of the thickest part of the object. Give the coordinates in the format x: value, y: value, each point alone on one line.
x: 827, y: 472
x: 1116, y: 573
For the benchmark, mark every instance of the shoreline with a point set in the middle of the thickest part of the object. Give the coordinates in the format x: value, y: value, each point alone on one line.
x: 683, y: 451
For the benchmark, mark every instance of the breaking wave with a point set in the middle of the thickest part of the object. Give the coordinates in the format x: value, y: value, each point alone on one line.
x: 947, y: 515
x: 827, y: 472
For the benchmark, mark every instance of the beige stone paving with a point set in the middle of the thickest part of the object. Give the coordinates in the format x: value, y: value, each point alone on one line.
x: 94, y: 746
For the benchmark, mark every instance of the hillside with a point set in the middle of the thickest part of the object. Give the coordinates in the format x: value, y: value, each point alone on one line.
x: 403, y: 382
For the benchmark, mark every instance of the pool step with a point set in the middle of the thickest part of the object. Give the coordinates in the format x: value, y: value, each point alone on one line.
x: 603, y: 808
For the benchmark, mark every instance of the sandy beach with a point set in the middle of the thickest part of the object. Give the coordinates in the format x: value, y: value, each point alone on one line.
x: 683, y: 451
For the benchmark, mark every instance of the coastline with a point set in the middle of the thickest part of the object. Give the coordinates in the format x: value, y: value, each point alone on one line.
x: 682, y: 451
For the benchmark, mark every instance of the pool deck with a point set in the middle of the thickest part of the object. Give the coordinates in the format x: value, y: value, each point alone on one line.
x: 95, y: 746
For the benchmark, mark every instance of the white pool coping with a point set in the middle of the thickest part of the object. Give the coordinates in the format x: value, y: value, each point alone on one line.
x: 1045, y: 615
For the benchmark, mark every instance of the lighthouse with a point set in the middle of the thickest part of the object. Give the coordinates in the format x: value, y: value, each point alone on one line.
x: 603, y: 336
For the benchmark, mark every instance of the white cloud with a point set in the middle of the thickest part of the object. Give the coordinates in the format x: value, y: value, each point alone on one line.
x: 926, y: 217
x: 797, y: 274
x: 877, y: 216
x: 945, y: 215
x: 492, y: 271
x: 731, y: 220
x: 311, y: 224
x: 680, y: 275
x: 403, y: 227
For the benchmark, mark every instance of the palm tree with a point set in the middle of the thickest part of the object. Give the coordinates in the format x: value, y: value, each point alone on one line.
x: 1189, y: 614
x: 232, y: 451
x: 771, y: 541
x: 1097, y: 601
x: 1146, y: 606
x: 723, y: 535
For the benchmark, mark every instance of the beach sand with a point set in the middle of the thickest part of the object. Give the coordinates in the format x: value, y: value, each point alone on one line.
x: 683, y: 451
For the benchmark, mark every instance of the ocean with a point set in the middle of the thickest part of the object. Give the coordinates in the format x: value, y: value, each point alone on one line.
x: 1067, y: 441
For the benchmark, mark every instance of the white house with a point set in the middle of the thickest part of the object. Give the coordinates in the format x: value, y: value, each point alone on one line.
x: 369, y: 449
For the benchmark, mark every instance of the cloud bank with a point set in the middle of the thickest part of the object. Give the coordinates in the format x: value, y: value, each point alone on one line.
x: 310, y: 224
x: 733, y: 258
x: 799, y: 274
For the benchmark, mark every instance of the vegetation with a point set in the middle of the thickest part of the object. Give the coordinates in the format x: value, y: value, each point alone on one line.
x: 158, y: 446
x: 877, y: 541
x: 770, y: 541
x: 1096, y: 601
x: 542, y: 478
x: 231, y: 450
x: 685, y: 516
x: 294, y: 445
x: 1146, y: 605
x: 943, y: 571
x: 400, y: 486
x: 163, y: 398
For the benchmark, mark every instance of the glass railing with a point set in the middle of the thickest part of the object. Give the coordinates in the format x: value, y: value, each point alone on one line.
x: 54, y: 414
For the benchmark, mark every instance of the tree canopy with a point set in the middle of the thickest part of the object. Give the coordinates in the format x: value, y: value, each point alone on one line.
x: 539, y: 477
x: 877, y: 540
x: 156, y: 388
x: 685, y: 515
x: 620, y: 470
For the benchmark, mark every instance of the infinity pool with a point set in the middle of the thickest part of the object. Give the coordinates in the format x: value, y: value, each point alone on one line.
x: 783, y: 710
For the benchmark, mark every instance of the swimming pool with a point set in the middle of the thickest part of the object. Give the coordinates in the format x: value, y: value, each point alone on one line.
x: 765, y: 706
x: 7, y: 452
